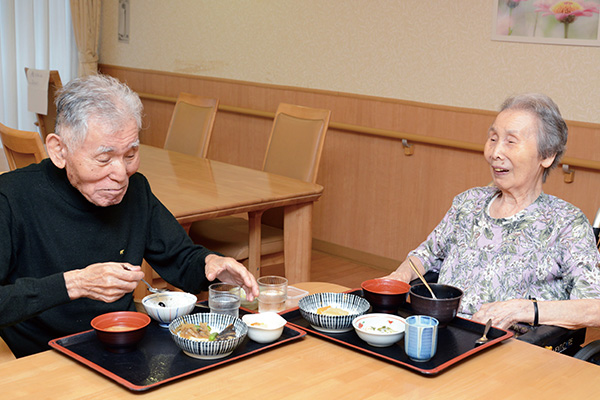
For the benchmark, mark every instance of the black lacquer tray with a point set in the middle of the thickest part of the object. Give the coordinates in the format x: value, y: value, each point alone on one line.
x: 455, y: 342
x: 157, y: 359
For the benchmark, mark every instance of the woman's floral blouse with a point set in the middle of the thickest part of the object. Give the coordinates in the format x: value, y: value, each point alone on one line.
x: 546, y: 251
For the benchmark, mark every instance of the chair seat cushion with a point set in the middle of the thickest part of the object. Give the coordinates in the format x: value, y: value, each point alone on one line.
x: 229, y: 236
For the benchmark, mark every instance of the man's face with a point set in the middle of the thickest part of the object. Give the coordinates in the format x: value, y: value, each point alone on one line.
x: 101, y: 166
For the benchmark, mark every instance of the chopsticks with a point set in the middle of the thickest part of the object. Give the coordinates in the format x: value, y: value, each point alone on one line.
x: 421, y: 277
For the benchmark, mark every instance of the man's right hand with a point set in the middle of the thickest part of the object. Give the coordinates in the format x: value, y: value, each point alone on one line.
x: 106, y: 282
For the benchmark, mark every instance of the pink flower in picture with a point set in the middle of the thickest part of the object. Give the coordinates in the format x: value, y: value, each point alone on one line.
x: 567, y: 11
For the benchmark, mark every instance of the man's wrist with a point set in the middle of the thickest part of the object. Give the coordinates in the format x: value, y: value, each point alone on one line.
x: 71, y: 284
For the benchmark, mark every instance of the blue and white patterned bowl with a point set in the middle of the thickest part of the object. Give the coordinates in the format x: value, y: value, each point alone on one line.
x: 165, y: 307
x: 355, y: 305
x: 204, y: 349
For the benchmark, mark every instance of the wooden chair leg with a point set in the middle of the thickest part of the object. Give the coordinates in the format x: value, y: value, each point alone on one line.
x: 5, y: 353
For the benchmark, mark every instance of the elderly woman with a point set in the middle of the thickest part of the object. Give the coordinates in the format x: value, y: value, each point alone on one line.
x: 519, y: 254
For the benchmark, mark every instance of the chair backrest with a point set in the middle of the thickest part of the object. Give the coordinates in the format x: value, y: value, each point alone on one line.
x: 47, y: 122
x: 296, y: 142
x: 21, y: 147
x: 295, y: 147
x: 191, y: 124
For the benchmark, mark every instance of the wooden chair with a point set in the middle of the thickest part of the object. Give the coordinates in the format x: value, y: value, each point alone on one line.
x: 191, y: 125
x: 47, y: 122
x: 294, y: 150
x: 21, y: 147
x: 189, y: 132
x: 5, y: 353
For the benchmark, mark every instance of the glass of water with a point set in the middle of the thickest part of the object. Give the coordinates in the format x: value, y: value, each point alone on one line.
x: 224, y: 298
x: 273, y: 293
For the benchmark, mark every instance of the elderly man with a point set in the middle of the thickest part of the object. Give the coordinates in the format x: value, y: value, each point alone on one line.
x: 76, y: 227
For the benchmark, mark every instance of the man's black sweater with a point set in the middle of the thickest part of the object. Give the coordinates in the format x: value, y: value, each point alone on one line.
x: 47, y: 227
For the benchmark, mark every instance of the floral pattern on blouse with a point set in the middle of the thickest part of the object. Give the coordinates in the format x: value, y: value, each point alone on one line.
x: 546, y: 251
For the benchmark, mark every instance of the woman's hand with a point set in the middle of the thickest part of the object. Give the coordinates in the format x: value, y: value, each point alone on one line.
x: 404, y: 272
x: 504, y: 314
x: 399, y: 275
x: 228, y: 270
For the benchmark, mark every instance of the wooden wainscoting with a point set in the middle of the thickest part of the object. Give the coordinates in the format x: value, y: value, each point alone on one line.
x: 378, y: 203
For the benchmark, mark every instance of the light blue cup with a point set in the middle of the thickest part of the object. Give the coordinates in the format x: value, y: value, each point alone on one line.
x: 421, y: 337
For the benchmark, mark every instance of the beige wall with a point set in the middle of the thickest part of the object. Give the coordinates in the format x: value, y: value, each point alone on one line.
x: 435, y: 51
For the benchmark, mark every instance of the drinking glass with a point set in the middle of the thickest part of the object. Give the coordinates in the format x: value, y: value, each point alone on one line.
x: 420, y: 337
x: 273, y: 293
x: 224, y: 298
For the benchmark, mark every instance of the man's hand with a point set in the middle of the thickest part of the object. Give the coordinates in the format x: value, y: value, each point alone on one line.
x: 106, y: 282
x: 228, y: 270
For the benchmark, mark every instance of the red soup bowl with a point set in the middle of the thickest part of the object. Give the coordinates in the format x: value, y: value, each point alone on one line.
x: 120, y: 331
x: 385, y: 295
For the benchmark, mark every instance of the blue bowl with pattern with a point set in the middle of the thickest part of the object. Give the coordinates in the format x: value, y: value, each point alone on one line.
x: 209, y: 349
x: 332, y: 312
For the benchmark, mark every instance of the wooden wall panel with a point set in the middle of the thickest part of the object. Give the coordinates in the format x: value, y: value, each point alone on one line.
x: 377, y: 200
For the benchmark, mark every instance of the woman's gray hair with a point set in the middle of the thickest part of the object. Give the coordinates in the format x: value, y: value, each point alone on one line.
x: 99, y: 98
x: 552, y: 129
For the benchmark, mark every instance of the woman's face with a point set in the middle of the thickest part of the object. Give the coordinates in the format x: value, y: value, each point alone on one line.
x: 511, y: 150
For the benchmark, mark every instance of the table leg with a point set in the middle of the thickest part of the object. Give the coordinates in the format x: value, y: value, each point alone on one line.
x: 297, y: 241
x: 186, y: 226
x: 254, y: 242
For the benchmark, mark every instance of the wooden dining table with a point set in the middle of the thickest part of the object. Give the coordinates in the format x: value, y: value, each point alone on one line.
x: 315, y: 368
x: 196, y: 189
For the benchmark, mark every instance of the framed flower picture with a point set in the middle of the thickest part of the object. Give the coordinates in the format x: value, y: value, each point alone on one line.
x: 547, y: 21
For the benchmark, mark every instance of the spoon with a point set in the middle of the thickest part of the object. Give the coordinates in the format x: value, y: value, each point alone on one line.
x: 153, y: 289
x: 150, y: 288
x: 484, y: 338
x: 421, y: 278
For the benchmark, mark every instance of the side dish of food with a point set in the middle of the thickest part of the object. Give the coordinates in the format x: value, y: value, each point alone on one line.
x: 203, y: 332
x: 329, y: 310
x: 264, y: 327
x: 380, y: 330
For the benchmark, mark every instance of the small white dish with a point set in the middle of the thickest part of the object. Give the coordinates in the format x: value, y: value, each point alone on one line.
x: 264, y: 327
x: 167, y: 306
x: 379, y: 330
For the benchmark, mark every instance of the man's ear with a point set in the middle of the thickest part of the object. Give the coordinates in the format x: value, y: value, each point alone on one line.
x: 57, y: 150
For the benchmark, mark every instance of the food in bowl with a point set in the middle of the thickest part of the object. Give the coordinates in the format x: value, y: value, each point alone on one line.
x: 354, y: 306
x: 328, y: 310
x: 264, y: 327
x: 444, y: 308
x: 120, y: 331
x: 207, y: 349
x: 379, y: 330
x: 204, y: 332
x: 385, y: 295
x: 165, y: 307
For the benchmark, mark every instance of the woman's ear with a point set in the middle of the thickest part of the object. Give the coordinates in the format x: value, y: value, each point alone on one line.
x: 57, y: 150
x: 547, y: 162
